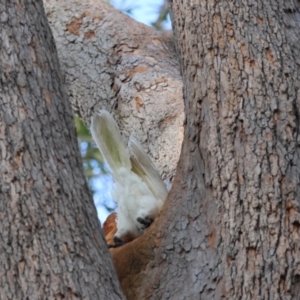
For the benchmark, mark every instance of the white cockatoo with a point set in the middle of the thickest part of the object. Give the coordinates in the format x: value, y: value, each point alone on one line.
x: 138, y: 188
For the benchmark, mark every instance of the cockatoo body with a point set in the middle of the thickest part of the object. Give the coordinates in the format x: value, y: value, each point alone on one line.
x: 138, y: 188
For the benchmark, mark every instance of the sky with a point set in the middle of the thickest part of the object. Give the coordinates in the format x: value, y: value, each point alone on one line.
x: 146, y: 12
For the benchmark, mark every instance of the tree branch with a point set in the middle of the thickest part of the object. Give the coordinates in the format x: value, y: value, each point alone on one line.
x: 163, y: 12
x: 113, y: 62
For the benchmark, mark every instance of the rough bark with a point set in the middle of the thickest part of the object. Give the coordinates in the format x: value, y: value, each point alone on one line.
x: 51, y: 244
x: 230, y: 226
x: 111, y: 61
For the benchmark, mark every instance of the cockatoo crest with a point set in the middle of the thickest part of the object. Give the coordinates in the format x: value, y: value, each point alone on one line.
x: 138, y: 189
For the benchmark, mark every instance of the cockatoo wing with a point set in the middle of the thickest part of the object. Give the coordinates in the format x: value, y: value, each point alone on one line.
x: 144, y: 168
x: 108, y: 138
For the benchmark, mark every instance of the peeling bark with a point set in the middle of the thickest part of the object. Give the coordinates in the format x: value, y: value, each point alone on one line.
x: 51, y: 244
x: 115, y: 63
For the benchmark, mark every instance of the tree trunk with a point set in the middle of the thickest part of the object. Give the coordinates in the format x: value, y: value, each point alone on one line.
x: 111, y: 61
x: 230, y: 226
x: 243, y: 124
x: 51, y: 243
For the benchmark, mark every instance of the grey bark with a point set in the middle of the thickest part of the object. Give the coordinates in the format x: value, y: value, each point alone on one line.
x: 242, y: 135
x: 113, y: 62
x: 51, y: 244
x: 230, y: 226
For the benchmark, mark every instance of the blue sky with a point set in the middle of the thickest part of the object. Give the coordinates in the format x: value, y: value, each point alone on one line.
x: 143, y: 11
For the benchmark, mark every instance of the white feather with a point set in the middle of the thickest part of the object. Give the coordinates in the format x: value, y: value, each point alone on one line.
x: 107, y: 136
x: 135, y: 200
x: 142, y: 165
x: 138, y: 189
